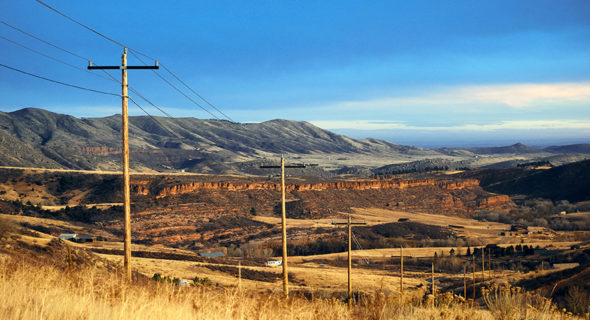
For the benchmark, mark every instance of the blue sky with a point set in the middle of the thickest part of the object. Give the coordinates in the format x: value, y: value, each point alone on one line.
x: 427, y: 73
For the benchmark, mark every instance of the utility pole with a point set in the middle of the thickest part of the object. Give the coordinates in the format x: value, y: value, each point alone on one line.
x: 483, y: 264
x: 284, y: 219
x: 125, y: 132
x: 490, y: 263
x: 350, y: 224
x: 401, y: 272
x: 239, y: 275
x: 473, y: 262
x: 464, y: 282
x: 433, y: 288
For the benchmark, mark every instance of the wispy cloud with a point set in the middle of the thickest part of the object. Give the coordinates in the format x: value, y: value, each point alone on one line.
x: 503, y: 125
x: 513, y: 95
x: 525, y: 95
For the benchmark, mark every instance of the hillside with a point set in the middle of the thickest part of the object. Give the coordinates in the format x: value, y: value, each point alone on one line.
x: 518, y: 148
x: 39, y: 138
x: 567, y: 182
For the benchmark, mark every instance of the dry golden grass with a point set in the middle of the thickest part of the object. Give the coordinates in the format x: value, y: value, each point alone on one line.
x: 45, y: 292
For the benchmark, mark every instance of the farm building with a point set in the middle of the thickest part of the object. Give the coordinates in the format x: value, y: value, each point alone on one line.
x: 565, y: 265
x: 216, y: 254
x: 84, y: 238
x: 77, y: 237
x: 67, y: 236
x: 274, y: 263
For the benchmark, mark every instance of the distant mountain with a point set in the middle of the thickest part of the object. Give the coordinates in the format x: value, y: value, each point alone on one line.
x: 517, y: 148
x: 39, y: 138
x: 36, y: 137
x: 572, y: 148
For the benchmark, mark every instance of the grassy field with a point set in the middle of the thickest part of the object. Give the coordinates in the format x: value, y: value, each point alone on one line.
x: 47, y: 292
x: 92, y: 290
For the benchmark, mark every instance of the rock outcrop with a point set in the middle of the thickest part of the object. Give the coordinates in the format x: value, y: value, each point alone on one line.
x: 346, y: 185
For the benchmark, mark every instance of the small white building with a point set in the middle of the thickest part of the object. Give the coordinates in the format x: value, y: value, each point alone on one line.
x: 566, y: 265
x: 183, y: 283
x: 67, y: 236
x: 274, y: 263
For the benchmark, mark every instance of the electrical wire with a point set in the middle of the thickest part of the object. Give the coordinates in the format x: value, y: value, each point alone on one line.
x: 46, y: 42
x: 133, y: 51
x: 110, y: 77
x: 176, y: 88
x: 153, y: 118
x: 78, y: 23
x: 53, y: 58
x: 193, y: 91
x: 355, y: 240
x: 89, y: 28
x: 59, y: 82
x: 92, y: 90
x: 138, y: 94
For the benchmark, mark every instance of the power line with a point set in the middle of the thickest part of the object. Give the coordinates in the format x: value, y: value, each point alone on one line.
x: 92, y: 90
x: 139, y: 95
x: 134, y: 102
x: 142, y: 54
x: 154, y: 119
x: 198, y: 95
x: 354, y: 238
x: 59, y: 82
x: 46, y: 42
x: 110, y: 77
x: 176, y: 88
x: 89, y: 28
x: 78, y: 23
x: 52, y: 58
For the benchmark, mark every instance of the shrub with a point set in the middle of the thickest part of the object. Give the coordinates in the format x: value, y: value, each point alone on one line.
x: 578, y: 300
x: 507, y: 302
x: 6, y: 227
x: 201, y: 281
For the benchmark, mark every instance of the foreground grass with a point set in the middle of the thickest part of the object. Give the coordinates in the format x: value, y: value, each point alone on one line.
x: 47, y: 292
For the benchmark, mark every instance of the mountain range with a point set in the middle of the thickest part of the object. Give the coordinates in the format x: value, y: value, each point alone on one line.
x: 34, y: 137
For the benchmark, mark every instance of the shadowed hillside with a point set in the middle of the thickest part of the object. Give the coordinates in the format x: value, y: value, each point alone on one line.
x: 567, y: 182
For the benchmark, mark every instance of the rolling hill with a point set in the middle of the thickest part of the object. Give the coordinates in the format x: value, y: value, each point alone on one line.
x: 36, y: 137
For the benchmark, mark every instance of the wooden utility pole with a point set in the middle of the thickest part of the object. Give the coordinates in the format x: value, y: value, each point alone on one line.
x: 473, y: 261
x: 432, y: 274
x: 69, y: 258
x: 483, y: 264
x: 465, y: 282
x: 239, y: 274
x: 350, y: 224
x: 490, y: 263
x: 125, y: 133
x: 284, y: 219
x: 284, y: 222
x: 401, y: 272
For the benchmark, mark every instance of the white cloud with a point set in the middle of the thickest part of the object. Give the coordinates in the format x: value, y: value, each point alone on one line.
x: 524, y: 95
x: 513, y: 95
x: 503, y: 125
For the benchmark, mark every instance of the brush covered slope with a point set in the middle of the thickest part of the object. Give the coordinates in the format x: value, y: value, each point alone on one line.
x: 567, y: 182
x: 197, y: 211
x: 39, y: 138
